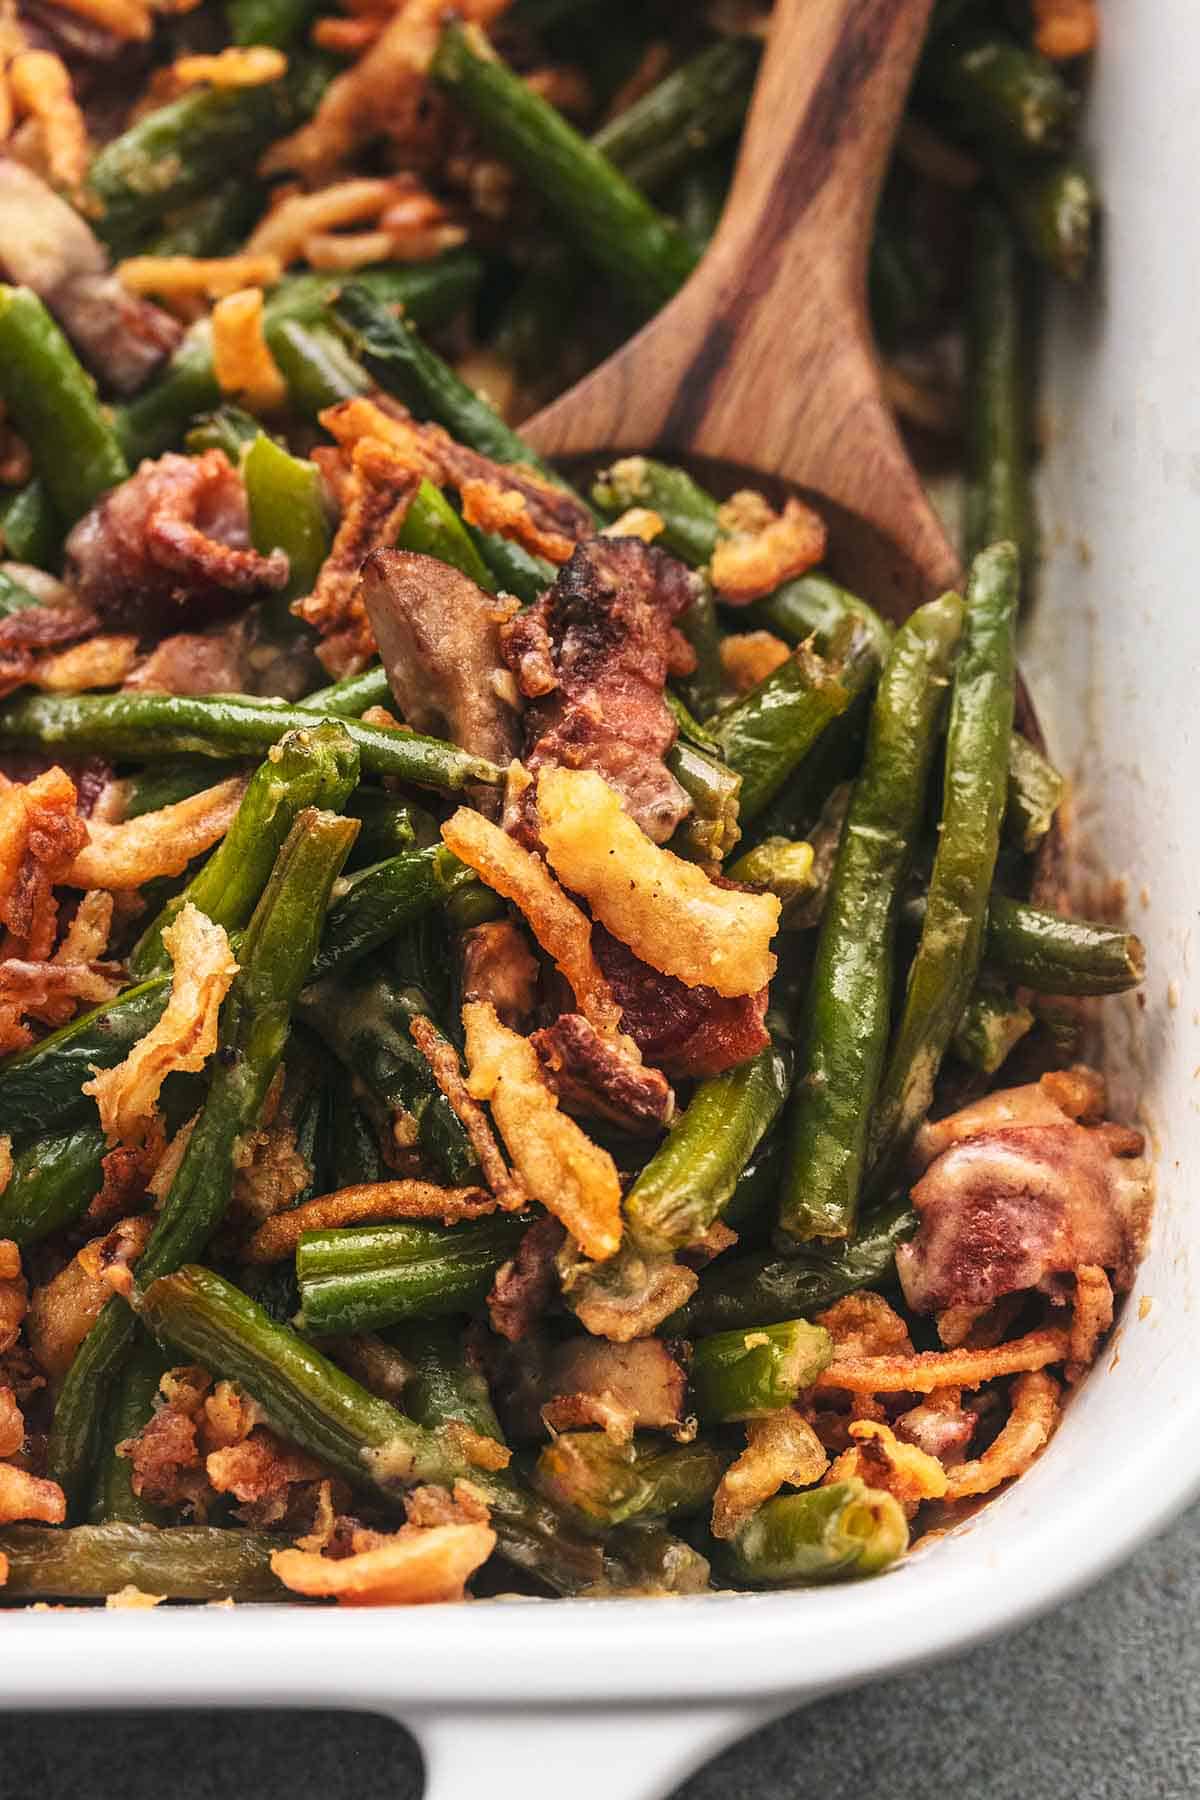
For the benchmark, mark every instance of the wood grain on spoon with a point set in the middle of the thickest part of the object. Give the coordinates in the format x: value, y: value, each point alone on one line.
x: 765, y: 358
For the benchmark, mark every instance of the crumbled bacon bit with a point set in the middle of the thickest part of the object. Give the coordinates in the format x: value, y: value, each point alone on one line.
x: 684, y: 1031
x: 591, y: 1075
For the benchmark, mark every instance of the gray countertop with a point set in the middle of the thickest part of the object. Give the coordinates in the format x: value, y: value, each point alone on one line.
x: 1100, y: 1701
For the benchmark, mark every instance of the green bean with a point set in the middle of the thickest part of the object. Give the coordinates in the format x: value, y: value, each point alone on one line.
x: 993, y: 90
x: 354, y: 1157
x: 82, y: 1403
x: 1035, y: 792
x: 606, y: 1484
x: 689, y: 1180
x: 367, y: 1440
x: 164, y: 784
x: 316, y: 366
x: 29, y: 529
x: 943, y: 971
x: 699, y: 104
x: 113, y: 1498
x: 824, y: 1534
x: 372, y: 1275
x: 275, y: 22
x: 644, y: 255
x: 749, y: 1373
x: 765, y: 1288
x: 999, y: 495
x: 689, y: 515
x: 429, y: 293
x: 767, y: 734
x: 287, y: 511
x: 176, y: 153
x: 698, y: 195
x: 352, y: 696
x: 1053, y: 955
x: 183, y: 1562
x: 388, y: 826
x: 849, y: 1002
x: 514, y: 569
x: 379, y: 901
x: 52, y: 402
x: 363, y: 1015
x: 41, y: 1088
x: 691, y: 731
x: 699, y: 625
x: 780, y: 866
x: 315, y: 766
x: 228, y: 428
x: 992, y: 1025
x: 432, y: 527
x: 645, y: 1558
x: 391, y: 350
x: 814, y: 606
x: 212, y: 225
x: 154, y: 725
x: 444, y: 1384
x: 711, y: 829
x: 1054, y: 206
x: 52, y: 1183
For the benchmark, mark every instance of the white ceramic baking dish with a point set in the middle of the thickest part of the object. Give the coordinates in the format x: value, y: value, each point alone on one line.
x: 622, y: 1699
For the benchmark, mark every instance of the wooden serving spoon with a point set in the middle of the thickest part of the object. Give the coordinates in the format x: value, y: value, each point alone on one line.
x: 765, y: 358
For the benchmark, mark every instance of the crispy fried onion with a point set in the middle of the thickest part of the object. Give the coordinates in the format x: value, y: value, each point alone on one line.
x: 12, y: 1423
x: 14, y: 1295
x: 924, y: 1370
x: 559, y: 926
x: 158, y: 843
x: 782, y: 1448
x: 863, y: 1324
x: 1090, y: 1319
x: 666, y: 910
x: 42, y: 91
x: 237, y: 66
x: 242, y: 361
x: 573, y: 1178
x: 101, y: 662
x: 1065, y: 28
x: 384, y: 94
x: 446, y: 1070
x: 63, y: 1311
x: 187, y: 278
x: 639, y: 522
x: 1034, y: 1414
x: 375, y: 497
x: 278, y: 1237
x: 184, y: 1037
x: 748, y: 657
x: 760, y: 548
x: 417, y: 1565
x: 883, y: 1460
x: 125, y: 19
x: 26, y: 1496
x: 403, y: 222
x: 41, y: 833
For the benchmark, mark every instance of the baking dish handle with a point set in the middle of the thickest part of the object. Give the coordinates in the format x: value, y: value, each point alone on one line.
x: 574, y: 1753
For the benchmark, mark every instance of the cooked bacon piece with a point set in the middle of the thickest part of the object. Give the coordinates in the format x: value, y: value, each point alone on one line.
x: 165, y: 1454
x: 439, y: 639
x: 1063, y: 1094
x: 666, y: 909
x: 591, y: 1075
x: 688, y: 1032
x: 497, y: 965
x: 47, y: 246
x: 375, y: 497
x: 525, y: 1285
x: 37, y: 628
x: 171, y: 544
x: 1003, y: 1210
x: 781, y: 1448
x: 605, y: 636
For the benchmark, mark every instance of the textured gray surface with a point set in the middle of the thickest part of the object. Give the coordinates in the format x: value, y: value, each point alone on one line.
x: 1101, y: 1701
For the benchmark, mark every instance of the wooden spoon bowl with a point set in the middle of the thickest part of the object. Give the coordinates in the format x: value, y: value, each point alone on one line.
x: 764, y: 360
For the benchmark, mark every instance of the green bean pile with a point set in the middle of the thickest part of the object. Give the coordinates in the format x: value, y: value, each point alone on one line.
x: 322, y: 1289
